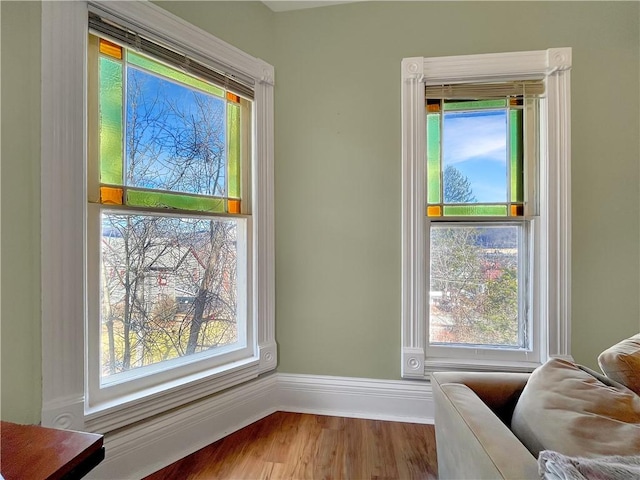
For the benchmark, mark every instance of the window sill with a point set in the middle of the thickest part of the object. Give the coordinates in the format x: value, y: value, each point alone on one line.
x: 469, y: 365
x: 129, y: 409
x: 472, y: 365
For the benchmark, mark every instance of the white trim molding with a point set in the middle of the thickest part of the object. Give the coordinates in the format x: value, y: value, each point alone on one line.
x: 552, y: 288
x: 391, y: 400
x: 145, y: 448
x: 140, y: 450
x: 62, y: 206
x: 413, y: 238
x: 63, y: 247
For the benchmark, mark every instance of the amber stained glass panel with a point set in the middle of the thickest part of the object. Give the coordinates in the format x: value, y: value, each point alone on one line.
x: 233, y: 206
x: 517, y: 210
x: 434, y: 211
x: 111, y: 49
x: 111, y: 196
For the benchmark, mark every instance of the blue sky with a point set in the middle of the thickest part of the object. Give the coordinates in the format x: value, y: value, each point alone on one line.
x: 170, y: 137
x: 476, y: 144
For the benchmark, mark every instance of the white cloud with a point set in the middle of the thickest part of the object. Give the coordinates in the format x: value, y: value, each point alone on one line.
x: 467, y: 137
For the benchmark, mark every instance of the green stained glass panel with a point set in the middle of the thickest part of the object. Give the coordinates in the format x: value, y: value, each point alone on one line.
x: 110, y: 104
x: 452, y: 105
x: 172, y: 73
x: 475, y: 210
x: 516, y: 155
x: 141, y: 198
x: 433, y: 158
x: 233, y: 150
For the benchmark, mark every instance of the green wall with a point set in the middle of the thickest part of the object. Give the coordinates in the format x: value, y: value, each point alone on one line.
x: 338, y: 169
x: 20, y: 189
x: 245, y: 25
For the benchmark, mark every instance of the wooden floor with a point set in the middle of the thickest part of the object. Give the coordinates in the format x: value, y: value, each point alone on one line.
x: 301, y: 446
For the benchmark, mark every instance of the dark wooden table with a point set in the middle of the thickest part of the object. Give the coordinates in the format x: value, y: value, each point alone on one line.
x: 34, y: 453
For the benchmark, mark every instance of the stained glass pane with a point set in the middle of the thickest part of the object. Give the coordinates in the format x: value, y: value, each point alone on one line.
x: 433, y: 105
x: 516, y: 154
x: 475, y: 210
x: 181, y: 77
x: 472, y: 104
x: 176, y: 136
x: 111, y: 196
x: 232, y: 97
x: 110, y: 121
x: 517, y: 210
x: 434, y: 211
x: 233, y: 147
x: 474, y: 156
x: 233, y: 206
x: 140, y: 198
x: 110, y: 49
x: 433, y: 158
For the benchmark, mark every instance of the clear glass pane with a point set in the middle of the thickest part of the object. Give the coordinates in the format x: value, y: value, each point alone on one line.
x: 168, y: 289
x: 474, y: 152
x: 474, y: 292
x: 176, y: 136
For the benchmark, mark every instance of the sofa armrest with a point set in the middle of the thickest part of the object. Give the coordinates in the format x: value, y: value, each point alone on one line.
x: 498, y: 390
x: 472, y: 442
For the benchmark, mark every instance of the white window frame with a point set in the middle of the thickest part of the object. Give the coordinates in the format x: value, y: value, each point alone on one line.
x: 551, y: 256
x: 65, y: 403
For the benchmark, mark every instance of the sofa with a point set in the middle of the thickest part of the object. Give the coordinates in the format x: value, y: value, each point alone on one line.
x: 496, y: 425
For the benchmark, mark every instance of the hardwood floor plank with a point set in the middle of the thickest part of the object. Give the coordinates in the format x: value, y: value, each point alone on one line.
x: 302, y: 446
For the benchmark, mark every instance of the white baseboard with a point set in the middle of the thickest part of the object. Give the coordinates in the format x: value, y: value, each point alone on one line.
x: 144, y: 448
x: 394, y: 400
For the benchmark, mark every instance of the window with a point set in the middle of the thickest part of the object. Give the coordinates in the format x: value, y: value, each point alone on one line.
x: 478, y: 228
x: 168, y: 216
x: 165, y: 218
x: 485, y: 227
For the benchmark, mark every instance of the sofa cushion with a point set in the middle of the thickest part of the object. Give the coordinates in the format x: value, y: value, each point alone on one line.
x: 622, y: 362
x: 566, y: 409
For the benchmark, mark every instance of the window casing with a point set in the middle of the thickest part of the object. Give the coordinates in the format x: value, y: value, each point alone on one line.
x: 165, y: 220
x: 74, y: 395
x: 533, y: 208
